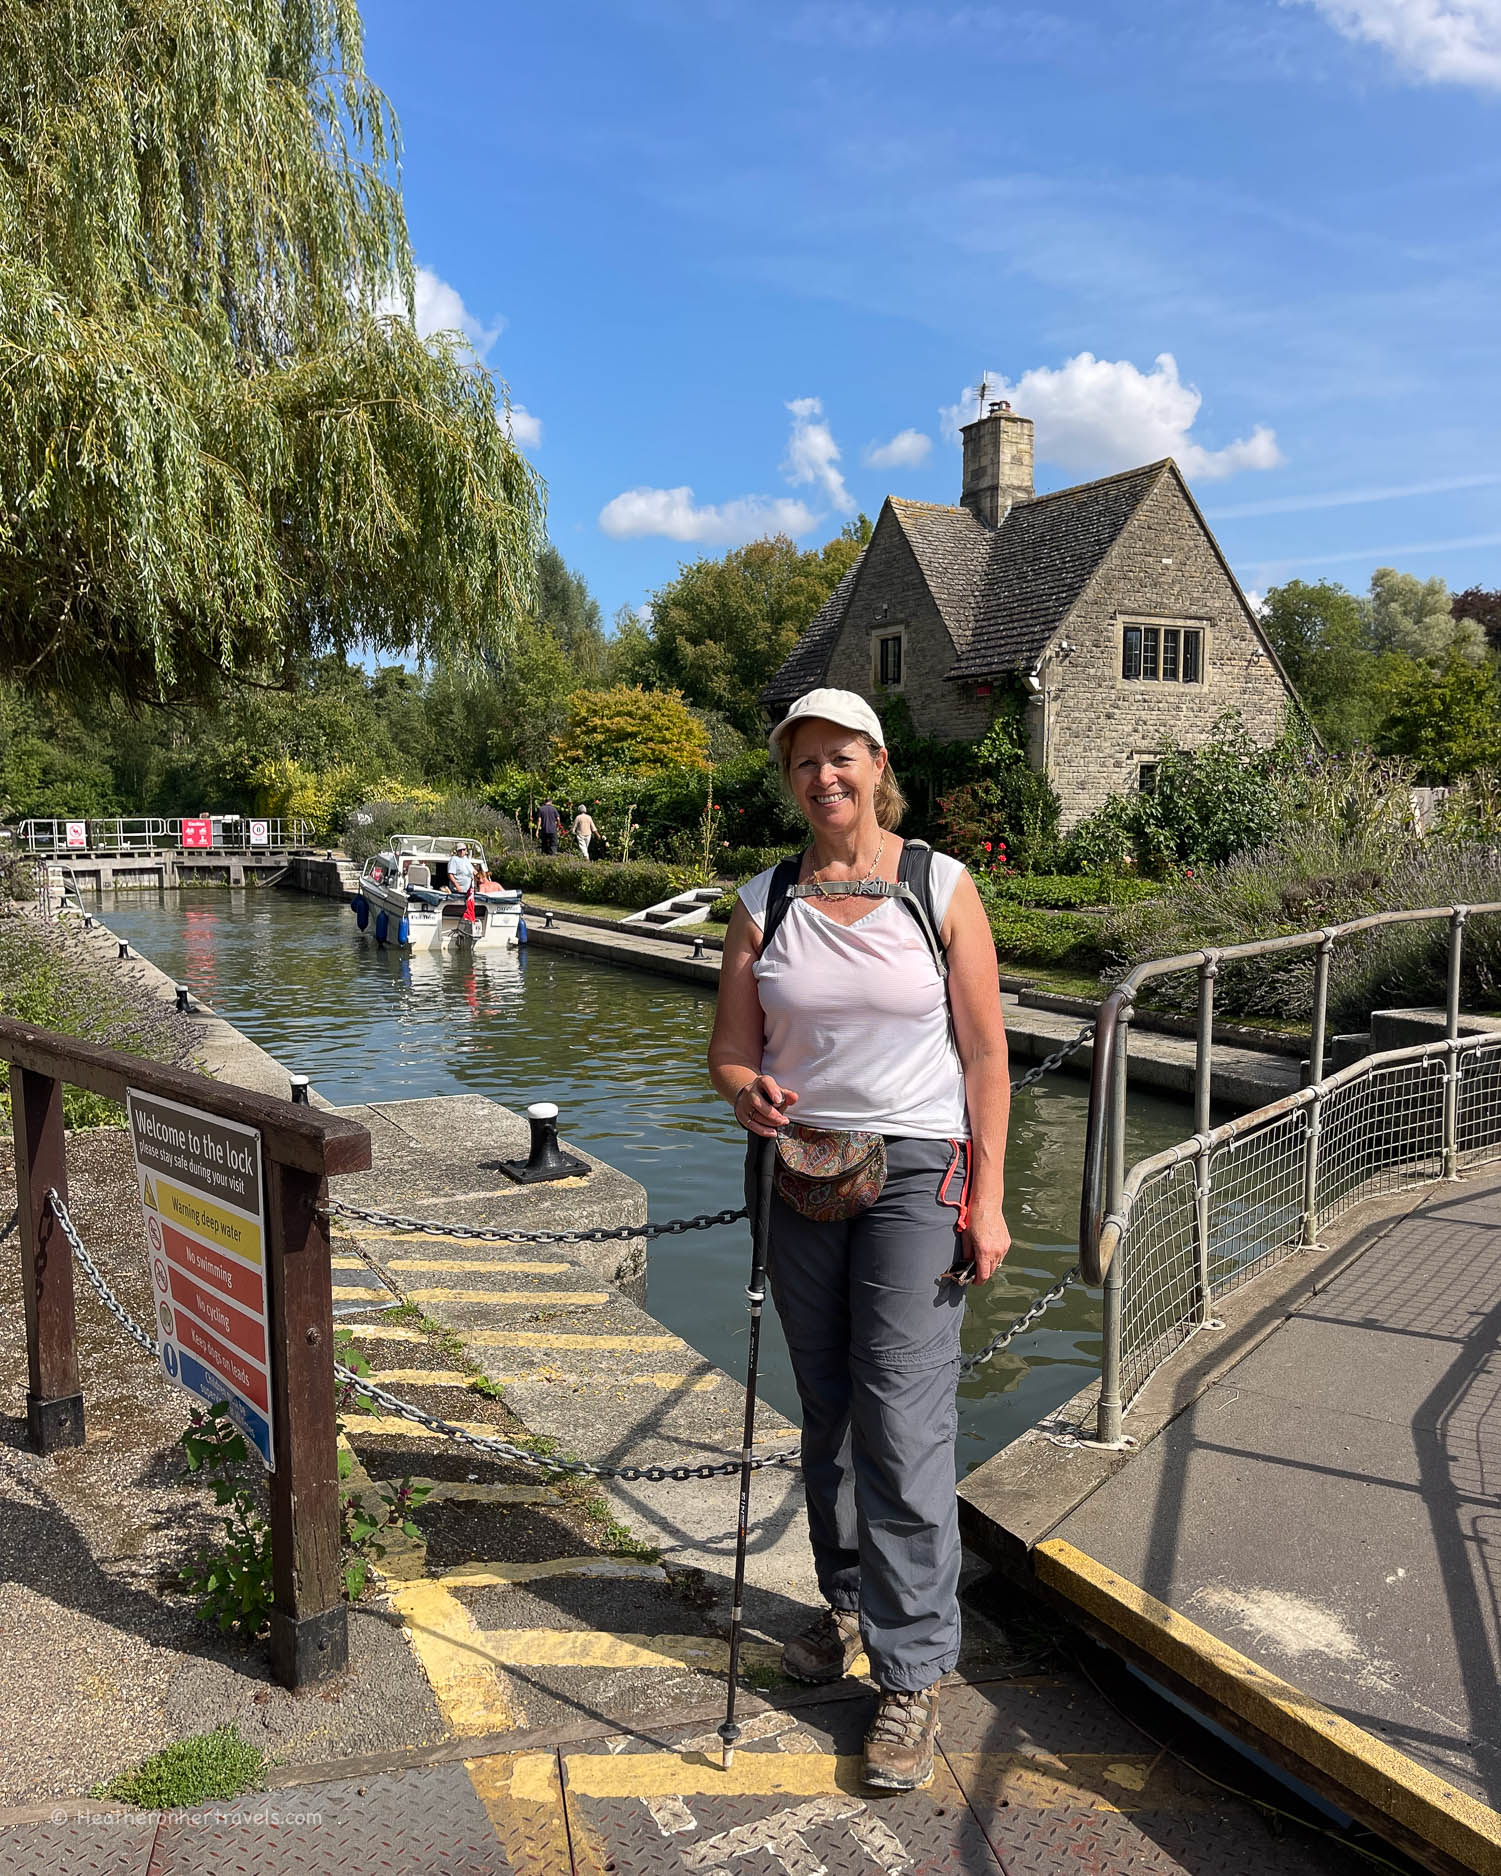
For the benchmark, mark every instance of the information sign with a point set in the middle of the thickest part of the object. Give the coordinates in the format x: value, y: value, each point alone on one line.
x: 260, y: 833
x: 78, y: 833
x: 198, y: 832
x: 202, y: 1200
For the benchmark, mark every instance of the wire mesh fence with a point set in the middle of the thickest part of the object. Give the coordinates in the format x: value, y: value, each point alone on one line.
x: 1206, y: 1217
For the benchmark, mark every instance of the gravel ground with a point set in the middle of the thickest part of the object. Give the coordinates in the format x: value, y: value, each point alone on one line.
x: 105, y: 1660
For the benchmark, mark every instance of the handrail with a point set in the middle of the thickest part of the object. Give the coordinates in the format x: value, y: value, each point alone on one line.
x: 1095, y: 1252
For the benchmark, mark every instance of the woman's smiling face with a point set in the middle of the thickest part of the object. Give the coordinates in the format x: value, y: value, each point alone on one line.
x: 833, y: 775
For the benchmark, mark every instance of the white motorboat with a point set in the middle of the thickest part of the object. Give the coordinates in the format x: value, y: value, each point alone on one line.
x: 406, y: 897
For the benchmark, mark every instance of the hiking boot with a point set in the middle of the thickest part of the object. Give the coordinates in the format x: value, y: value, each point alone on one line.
x: 899, y: 1745
x: 826, y: 1649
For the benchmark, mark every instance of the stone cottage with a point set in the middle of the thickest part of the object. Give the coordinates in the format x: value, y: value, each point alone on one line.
x: 1110, y: 602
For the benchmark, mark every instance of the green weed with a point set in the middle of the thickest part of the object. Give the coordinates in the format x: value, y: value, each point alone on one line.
x: 208, y: 1765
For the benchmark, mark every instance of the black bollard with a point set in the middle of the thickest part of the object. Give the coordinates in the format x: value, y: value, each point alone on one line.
x: 547, y: 922
x: 547, y: 1160
x: 698, y: 947
x: 182, y: 999
x: 300, y: 1090
x: 124, y: 948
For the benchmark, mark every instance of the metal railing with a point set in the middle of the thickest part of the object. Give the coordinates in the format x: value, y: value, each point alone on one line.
x: 1205, y: 1216
x: 142, y: 833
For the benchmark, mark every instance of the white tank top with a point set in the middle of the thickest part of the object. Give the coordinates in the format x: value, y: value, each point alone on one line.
x: 856, y: 1016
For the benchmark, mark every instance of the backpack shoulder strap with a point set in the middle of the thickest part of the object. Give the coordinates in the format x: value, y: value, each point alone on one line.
x: 783, y: 879
x: 915, y: 873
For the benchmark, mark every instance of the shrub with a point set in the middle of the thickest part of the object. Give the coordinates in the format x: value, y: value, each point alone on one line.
x: 1025, y: 935
x: 1065, y: 892
x: 1007, y: 819
x: 628, y: 728
x: 637, y: 884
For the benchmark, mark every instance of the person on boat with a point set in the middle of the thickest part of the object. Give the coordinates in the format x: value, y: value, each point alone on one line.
x: 584, y: 829
x: 548, y: 822
x: 460, y: 870
x: 842, y: 1040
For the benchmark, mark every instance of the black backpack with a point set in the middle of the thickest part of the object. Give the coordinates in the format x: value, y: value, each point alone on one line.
x: 913, y: 887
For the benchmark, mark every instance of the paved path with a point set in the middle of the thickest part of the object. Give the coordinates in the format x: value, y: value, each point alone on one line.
x: 1331, y: 1506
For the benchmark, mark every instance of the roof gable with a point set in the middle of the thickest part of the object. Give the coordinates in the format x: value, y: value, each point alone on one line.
x: 1043, y: 555
x: 951, y: 548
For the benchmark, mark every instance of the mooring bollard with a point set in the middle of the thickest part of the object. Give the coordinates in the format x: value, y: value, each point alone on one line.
x: 300, y: 1090
x: 547, y: 1160
x: 182, y: 999
x: 88, y: 921
x: 698, y: 947
x: 124, y: 947
x: 547, y: 922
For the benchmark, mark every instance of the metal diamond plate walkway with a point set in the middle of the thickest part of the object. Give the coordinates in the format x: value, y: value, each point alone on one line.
x: 1036, y: 1774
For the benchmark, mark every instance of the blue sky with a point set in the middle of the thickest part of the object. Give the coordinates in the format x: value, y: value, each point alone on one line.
x: 739, y: 260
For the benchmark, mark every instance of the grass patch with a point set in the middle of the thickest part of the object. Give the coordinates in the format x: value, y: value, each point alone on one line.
x: 208, y: 1765
x: 50, y: 977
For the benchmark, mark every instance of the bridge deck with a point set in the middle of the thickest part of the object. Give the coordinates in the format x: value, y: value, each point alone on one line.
x: 1329, y: 1505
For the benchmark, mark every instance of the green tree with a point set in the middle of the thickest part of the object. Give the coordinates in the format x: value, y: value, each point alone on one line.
x: 1416, y: 617
x: 1447, y: 722
x: 638, y: 731
x: 570, y: 612
x: 1321, y: 634
x: 220, y: 455
x: 722, y: 627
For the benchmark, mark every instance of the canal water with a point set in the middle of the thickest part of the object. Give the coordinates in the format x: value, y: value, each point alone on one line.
x: 622, y: 1053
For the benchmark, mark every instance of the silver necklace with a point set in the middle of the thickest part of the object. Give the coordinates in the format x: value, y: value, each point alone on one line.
x: 864, y: 880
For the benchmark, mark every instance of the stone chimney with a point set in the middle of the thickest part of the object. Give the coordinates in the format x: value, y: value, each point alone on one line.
x: 997, y: 463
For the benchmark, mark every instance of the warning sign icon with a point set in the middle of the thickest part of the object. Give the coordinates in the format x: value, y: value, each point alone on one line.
x: 150, y: 1194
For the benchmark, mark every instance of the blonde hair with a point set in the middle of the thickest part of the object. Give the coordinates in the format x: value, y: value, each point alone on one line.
x: 890, y: 803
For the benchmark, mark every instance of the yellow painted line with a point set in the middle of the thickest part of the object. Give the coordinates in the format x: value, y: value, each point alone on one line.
x: 582, y: 1299
x: 472, y: 1695
x: 534, y: 1834
x: 667, y: 1382
x: 385, y: 1332
x: 376, y: 1292
x: 505, y: 1575
x: 511, y: 1267
x: 1076, y: 1783
x: 538, y: 1338
x: 393, y: 1423
x: 591, y: 1648
x: 420, y: 1377
x: 1383, y: 1778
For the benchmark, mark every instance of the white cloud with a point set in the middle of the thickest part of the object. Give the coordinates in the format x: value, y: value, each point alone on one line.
x: 1352, y: 498
x: 906, y: 450
x: 812, y: 454
x: 440, y: 308
x: 524, y: 428
x: 1254, y: 599
x: 1100, y: 415
x: 1444, y: 40
x: 675, y: 514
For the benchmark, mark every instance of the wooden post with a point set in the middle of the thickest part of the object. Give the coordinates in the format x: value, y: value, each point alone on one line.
x: 54, y: 1401
x: 309, y: 1620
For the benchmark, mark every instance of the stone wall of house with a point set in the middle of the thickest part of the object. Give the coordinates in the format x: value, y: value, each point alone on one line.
x: 1100, y: 727
x: 891, y: 596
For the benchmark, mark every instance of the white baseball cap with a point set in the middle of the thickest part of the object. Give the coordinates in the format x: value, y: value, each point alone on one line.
x: 845, y: 707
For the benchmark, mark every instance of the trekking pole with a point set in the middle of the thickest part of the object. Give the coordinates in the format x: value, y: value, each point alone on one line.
x: 756, y: 1291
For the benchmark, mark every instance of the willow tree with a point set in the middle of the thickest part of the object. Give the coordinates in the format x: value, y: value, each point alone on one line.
x: 220, y: 453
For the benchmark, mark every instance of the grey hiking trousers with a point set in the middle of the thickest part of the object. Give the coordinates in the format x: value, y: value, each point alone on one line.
x: 873, y: 1332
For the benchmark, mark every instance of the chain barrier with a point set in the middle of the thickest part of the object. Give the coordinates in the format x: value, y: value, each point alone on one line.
x: 506, y: 1449
x: 619, y: 1234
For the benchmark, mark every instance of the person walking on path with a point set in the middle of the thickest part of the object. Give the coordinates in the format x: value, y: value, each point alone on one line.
x: 548, y: 820
x: 885, y: 1086
x: 584, y: 829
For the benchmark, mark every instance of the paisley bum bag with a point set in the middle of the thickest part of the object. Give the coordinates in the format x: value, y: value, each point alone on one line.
x: 829, y: 1176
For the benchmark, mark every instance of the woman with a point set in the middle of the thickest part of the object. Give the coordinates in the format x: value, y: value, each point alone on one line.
x: 584, y: 829
x: 842, y: 1022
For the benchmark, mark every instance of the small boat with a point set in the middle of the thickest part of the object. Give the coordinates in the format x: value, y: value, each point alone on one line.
x: 404, y: 893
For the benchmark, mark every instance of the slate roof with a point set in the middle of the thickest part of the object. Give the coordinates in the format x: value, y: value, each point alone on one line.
x: 805, y: 664
x: 951, y: 547
x: 1002, y: 592
x: 1043, y: 555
